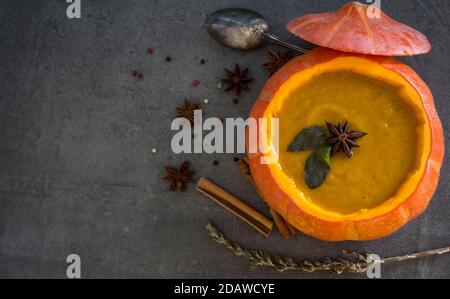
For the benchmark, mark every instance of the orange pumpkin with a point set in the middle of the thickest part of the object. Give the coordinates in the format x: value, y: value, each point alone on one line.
x: 354, y: 28
x: 371, y: 223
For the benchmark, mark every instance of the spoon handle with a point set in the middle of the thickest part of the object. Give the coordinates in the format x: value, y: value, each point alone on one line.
x: 275, y: 39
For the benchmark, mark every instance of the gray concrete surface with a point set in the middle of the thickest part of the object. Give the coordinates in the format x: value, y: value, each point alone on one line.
x: 76, y: 170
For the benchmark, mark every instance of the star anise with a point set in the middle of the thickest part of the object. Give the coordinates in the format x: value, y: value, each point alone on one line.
x: 277, y: 60
x: 342, y: 139
x: 187, y: 110
x: 237, y: 80
x: 178, y: 178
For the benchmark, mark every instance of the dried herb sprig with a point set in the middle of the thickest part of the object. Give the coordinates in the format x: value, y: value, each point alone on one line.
x: 356, y: 263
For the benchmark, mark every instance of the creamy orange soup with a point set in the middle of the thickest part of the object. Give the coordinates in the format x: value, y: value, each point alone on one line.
x: 386, y: 156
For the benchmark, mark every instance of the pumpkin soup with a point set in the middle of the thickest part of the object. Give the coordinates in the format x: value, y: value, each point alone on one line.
x: 386, y: 156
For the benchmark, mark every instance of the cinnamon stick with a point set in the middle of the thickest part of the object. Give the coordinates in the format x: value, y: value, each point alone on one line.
x: 258, y: 221
x: 286, y: 230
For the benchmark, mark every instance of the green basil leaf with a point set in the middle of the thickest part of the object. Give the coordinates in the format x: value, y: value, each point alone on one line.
x: 317, y: 167
x: 308, y: 139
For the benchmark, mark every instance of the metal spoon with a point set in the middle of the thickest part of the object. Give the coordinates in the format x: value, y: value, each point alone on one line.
x: 242, y: 29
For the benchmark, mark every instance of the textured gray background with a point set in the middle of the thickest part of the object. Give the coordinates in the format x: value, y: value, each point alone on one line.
x: 76, y: 170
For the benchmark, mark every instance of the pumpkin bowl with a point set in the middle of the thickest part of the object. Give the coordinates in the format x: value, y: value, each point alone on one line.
x: 392, y: 176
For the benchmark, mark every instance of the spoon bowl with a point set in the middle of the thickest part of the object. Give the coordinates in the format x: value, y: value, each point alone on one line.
x: 242, y: 29
x: 237, y: 28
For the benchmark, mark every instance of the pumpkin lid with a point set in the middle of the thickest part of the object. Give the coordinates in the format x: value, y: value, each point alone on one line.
x: 360, y: 28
